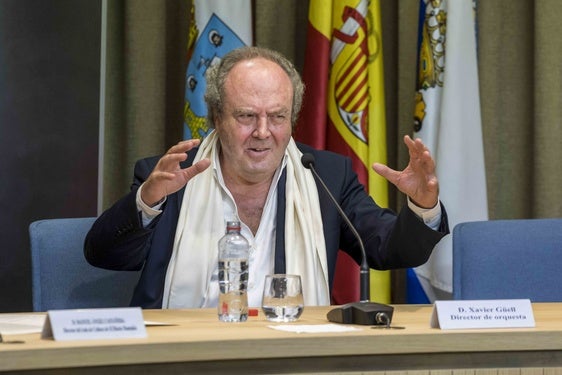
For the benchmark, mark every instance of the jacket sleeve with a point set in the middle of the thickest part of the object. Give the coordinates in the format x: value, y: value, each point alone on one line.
x: 391, y: 240
x: 117, y: 240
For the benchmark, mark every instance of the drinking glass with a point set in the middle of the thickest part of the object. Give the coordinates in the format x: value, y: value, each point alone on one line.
x: 282, y: 298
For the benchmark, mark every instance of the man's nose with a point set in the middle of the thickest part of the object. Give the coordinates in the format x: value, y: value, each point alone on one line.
x: 262, y: 127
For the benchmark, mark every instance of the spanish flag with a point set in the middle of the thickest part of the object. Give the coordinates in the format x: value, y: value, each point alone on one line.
x: 344, y: 111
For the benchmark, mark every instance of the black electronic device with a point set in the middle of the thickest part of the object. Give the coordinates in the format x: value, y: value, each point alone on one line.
x: 363, y: 312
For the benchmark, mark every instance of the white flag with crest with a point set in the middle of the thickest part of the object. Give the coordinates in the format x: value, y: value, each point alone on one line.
x: 216, y: 27
x: 448, y: 120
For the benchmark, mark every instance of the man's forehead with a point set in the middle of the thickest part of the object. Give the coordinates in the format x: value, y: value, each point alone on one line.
x: 251, y: 66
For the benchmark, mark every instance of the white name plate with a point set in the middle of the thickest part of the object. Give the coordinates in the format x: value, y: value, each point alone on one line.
x: 94, y: 324
x: 505, y: 313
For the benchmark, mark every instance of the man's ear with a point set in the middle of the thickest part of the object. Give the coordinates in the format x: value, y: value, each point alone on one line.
x: 215, y: 118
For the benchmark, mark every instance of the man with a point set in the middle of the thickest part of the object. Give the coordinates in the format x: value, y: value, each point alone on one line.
x: 250, y: 168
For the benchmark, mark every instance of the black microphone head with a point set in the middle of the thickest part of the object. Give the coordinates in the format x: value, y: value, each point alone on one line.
x: 307, y: 160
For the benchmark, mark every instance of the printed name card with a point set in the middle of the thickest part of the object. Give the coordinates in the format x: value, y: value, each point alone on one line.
x: 507, y: 313
x: 94, y: 324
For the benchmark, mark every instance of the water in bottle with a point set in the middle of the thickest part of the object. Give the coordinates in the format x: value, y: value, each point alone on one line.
x: 233, y: 274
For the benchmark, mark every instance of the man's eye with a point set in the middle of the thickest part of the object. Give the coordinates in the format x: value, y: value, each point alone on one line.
x: 277, y: 119
x: 246, y: 118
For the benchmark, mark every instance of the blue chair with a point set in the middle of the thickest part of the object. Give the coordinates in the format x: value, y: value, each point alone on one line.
x: 508, y: 259
x: 61, y: 276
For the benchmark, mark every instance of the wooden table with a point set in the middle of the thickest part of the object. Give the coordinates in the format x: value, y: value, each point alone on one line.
x: 198, y: 342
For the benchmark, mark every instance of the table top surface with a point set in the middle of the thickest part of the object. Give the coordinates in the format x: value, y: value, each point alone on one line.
x: 198, y: 335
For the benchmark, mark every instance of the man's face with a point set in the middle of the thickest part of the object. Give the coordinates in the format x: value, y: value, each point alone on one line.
x: 255, y: 126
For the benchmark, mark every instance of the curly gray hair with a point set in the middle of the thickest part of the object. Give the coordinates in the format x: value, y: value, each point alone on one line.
x: 217, y: 73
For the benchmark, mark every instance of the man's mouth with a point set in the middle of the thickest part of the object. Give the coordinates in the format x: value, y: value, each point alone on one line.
x: 258, y: 149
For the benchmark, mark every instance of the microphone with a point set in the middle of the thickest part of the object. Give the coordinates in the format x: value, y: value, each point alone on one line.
x: 362, y: 312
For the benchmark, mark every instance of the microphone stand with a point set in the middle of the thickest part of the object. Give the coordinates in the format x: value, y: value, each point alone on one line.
x: 363, y: 312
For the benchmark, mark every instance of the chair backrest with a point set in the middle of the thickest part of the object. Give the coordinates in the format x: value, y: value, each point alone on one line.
x: 508, y: 259
x: 61, y: 276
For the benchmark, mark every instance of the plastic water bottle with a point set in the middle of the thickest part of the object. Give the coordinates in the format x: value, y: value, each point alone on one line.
x: 233, y: 274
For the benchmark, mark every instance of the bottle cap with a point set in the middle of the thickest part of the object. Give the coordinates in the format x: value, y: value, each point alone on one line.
x: 233, y: 224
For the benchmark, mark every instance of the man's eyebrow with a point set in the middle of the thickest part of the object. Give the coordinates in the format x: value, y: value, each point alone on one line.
x: 280, y: 111
x: 238, y: 111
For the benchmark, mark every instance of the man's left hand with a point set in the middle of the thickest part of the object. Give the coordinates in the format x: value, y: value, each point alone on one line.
x: 418, y: 179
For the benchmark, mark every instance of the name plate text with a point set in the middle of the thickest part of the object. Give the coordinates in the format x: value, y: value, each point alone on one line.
x: 94, y: 324
x: 507, y: 313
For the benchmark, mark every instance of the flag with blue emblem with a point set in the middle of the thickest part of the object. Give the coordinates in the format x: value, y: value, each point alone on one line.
x: 216, y: 27
x: 447, y: 118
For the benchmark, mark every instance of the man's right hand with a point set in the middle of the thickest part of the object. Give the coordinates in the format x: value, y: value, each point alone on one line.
x: 168, y: 177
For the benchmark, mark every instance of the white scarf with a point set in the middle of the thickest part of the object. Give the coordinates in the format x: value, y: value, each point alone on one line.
x: 201, y: 224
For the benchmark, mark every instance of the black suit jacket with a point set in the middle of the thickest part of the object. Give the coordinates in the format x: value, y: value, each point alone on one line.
x: 118, y: 240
